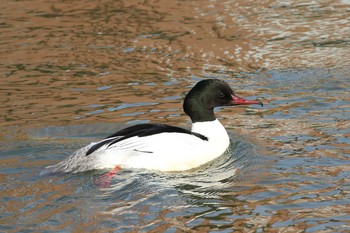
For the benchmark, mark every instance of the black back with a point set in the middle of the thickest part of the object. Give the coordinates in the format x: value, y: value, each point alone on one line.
x: 141, y: 130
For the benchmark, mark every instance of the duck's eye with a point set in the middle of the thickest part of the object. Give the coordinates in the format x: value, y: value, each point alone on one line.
x: 221, y: 95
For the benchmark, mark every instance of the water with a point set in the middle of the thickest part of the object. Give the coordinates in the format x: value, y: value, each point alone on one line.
x: 72, y: 72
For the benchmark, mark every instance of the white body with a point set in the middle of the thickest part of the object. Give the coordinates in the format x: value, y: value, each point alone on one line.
x: 163, y: 151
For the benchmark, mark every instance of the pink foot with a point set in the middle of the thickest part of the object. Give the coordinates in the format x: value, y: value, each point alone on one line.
x: 105, y: 180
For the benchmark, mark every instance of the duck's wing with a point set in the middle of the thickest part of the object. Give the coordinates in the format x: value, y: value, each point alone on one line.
x: 141, y: 130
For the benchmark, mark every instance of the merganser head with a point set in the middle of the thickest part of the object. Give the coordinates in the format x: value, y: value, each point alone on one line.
x: 207, y: 94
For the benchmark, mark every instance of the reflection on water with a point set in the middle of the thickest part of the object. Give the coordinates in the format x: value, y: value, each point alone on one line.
x: 136, y: 197
x: 72, y: 72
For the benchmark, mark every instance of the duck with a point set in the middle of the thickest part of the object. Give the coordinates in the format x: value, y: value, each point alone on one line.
x: 163, y: 147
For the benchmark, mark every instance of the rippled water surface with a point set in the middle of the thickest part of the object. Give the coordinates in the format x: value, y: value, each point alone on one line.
x: 72, y: 72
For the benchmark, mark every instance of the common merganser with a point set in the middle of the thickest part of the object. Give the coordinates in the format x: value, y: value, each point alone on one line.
x: 164, y: 147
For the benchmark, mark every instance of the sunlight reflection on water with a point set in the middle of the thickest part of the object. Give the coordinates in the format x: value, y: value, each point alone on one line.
x: 71, y: 74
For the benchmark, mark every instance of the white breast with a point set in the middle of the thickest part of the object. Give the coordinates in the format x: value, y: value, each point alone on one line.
x: 216, y: 133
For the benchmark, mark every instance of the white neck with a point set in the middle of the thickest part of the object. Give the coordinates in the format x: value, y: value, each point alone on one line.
x: 213, y: 130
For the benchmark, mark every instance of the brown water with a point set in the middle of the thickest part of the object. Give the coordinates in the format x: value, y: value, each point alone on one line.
x: 74, y: 71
